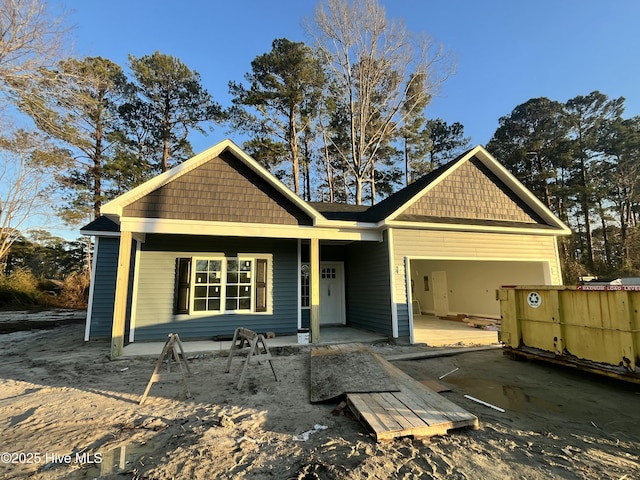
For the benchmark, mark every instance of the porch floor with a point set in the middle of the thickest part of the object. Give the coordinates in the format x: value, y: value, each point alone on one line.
x: 328, y: 335
x: 436, y: 332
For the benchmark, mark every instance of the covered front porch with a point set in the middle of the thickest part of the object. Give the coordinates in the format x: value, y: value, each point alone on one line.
x: 352, y: 286
x: 339, y: 289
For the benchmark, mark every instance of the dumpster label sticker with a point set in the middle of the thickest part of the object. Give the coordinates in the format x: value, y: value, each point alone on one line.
x: 534, y: 299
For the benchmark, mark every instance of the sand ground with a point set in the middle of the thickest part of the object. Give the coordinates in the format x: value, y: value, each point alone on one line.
x: 68, y: 411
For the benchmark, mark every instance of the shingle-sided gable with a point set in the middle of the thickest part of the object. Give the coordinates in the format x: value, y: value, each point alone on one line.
x: 223, y: 189
x: 471, y: 192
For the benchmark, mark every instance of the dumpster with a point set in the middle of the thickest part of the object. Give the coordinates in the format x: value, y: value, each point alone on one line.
x: 591, y: 328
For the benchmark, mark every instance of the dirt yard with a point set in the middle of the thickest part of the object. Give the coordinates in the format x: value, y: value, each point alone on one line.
x: 69, y: 412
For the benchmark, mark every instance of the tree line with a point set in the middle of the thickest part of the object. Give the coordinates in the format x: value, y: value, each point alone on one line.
x: 341, y: 119
x: 582, y: 159
x: 323, y: 117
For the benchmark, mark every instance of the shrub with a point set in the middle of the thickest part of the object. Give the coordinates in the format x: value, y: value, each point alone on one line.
x: 75, y: 290
x: 19, y: 289
x: 22, y: 289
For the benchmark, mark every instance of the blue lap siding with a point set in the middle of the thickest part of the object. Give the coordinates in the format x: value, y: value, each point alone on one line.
x: 155, y: 316
x: 366, y: 283
x: 403, y: 320
x: 106, y: 258
x: 368, y: 287
x: 104, y: 285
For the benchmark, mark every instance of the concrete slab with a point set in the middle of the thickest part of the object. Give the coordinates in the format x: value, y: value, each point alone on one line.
x: 436, y: 332
x: 328, y: 336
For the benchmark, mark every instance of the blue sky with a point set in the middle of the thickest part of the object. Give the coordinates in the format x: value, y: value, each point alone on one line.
x: 507, y: 51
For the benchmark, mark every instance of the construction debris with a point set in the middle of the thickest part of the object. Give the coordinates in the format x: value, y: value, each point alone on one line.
x: 448, y: 373
x: 405, y: 408
x: 439, y: 352
x: 486, y: 404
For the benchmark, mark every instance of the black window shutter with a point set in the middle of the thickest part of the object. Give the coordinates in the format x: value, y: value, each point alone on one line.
x: 261, y: 285
x: 183, y: 286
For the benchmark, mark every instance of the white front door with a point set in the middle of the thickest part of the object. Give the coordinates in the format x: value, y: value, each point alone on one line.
x: 332, y: 310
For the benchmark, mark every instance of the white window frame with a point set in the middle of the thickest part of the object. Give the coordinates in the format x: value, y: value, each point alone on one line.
x: 253, y: 257
x: 308, y: 296
x: 194, y: 285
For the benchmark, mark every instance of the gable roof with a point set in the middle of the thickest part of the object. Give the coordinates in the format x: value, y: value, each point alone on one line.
x: 473, y: 189
x: 442, y: 196
x: 387, y: 207
x: 135, y: 202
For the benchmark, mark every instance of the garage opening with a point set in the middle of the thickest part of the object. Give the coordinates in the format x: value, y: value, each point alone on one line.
x: 444, y: 292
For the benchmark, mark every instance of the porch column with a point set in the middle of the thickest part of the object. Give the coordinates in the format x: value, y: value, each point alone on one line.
x: 120, y: 300
x: 314, y: 280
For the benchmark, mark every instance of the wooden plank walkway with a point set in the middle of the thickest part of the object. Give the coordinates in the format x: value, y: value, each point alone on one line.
x: 415, y: 410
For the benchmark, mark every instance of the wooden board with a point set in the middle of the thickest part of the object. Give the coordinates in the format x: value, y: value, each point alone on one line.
x: 439, y: 352
x: 351, y: 368
x: 415, y: 410
x: 435, y: 386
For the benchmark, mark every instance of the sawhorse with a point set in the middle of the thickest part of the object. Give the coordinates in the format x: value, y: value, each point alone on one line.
x: 242, y: 338
x: 169, y: 351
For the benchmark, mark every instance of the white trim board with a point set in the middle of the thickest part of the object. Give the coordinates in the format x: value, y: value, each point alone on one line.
x: 87, y: 327
x: 134, y: 293
x: 201, y: 227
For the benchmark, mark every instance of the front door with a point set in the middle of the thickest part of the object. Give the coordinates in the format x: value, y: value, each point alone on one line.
x: 332, y: 309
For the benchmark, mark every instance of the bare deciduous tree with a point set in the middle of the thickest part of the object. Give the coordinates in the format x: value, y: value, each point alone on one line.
x: 31, y: 37
x: 26, y: 171
x: 373, y: 63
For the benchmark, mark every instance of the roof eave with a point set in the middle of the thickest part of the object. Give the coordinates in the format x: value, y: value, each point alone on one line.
x: 203, y: 227
x: 99, y: 233
x: 346, y: 224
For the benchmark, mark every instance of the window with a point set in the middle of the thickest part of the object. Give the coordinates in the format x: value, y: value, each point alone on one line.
x: 219, y: 284
x: 207, y: 294
x: 183, y: 276
x: 261, y: 285
x: 328, y: 272
x: 239, y: 291
x: 304, y: 284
